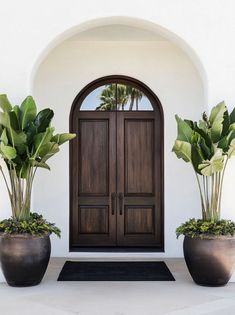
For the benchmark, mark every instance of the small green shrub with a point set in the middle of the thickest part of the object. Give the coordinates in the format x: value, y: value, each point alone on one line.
x: 34, y: 225
x: 202, y: 228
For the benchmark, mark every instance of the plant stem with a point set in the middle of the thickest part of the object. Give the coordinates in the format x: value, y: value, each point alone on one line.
x: 201, y: 195
x: 221, y: 184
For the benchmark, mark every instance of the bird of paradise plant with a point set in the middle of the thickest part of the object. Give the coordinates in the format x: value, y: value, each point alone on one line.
x: 208, y: 145
x: 27, y: 141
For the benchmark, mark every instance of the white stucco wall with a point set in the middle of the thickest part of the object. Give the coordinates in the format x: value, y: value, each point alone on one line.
x: 207, y: 26
x: 160, y: 65
x: 203, y: 28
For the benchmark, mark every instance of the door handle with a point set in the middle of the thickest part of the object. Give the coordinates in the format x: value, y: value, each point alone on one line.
x: 113, y: 202
x: 121, y: 198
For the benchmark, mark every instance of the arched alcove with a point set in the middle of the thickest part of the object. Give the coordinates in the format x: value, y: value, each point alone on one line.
x: 144, y: 25
x: 136, y: 49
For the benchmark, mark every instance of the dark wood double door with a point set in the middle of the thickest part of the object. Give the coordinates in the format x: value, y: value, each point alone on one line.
x: 116, y: 180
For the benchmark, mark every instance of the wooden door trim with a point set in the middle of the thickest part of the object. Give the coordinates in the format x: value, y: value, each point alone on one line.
x: 76, y: 113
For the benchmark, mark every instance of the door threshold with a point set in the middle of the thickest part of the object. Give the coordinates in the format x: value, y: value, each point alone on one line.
x: 118, y: 249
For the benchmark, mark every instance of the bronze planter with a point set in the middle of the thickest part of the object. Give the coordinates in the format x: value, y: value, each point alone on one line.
x: 210, y: 260
x: 24, y: 258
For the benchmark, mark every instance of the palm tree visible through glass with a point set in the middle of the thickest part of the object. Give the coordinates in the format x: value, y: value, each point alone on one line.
x: 123, y: 97
x: 112, y: 97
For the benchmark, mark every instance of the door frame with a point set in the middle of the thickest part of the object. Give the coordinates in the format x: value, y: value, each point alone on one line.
x: 75, y: 108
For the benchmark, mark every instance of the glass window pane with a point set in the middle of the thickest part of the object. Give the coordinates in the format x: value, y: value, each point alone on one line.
x: 130, y: 98
x: 102, y: 98
x: 114, y: 96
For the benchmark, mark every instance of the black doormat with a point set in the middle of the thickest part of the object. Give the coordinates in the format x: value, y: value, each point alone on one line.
x: 115, y: 271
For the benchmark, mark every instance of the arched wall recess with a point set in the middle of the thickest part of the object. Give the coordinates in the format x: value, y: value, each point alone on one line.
x: 163, y: 67
x: 122, y: 20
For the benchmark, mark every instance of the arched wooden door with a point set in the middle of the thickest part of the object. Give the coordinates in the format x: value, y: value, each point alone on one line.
x: 116, y: 167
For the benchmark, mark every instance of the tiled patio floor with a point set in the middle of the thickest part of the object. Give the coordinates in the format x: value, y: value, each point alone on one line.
x: 181, y: 297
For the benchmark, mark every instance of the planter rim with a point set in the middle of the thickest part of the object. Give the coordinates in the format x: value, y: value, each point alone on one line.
x: 211, y: 237
x: 23, y: 235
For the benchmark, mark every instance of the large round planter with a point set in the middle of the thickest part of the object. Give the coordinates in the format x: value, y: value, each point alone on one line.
x: 210, y: 260
x: 24, y: 258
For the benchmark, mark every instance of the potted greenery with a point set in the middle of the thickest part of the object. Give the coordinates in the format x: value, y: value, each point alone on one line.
x: 209, y: 243
x: 27, y: 141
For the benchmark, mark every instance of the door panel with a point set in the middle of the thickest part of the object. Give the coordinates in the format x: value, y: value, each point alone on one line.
x: 93, y: 218
x: 139, y: 156
x: 138, y: 180
x: 94, y: 144
x: 139, y: 220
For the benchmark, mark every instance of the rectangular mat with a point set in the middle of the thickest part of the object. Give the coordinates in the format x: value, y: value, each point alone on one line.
x: 115, y: 271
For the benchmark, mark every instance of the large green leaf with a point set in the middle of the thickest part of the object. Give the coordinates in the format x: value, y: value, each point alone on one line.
x: 28, y: 111
x: 197, y: 157
x: 184, y: 130
x: 43, y: 119
x: 199, y: 142
x: 223, y: 144
x: 215, y: 164
x: 182, y: 150
x: 63, y: 137
x: 217, y: 112
x: 14, y: 120
x: 19, y: 137
x: 43, y: 137
x: 200, y: 151
x: 7, y: 152
x: 204, y: 135
x: 5, y: 105
x: 216, y: 119
x: 48, y: 150
x: 5, y: 120
x: 31, y: 133
x: 190, y: 123
x: 17, y: 112
x: 9, y: 120
x: 4, y: 138
x: 203, y: 126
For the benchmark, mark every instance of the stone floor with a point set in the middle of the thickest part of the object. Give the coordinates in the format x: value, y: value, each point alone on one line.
x: 181, y: 297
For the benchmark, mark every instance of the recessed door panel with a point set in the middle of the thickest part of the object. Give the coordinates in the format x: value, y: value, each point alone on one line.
x: 139, y: 220
x: 139, y: 156
x: 94, y: 162
x: 93, y: 219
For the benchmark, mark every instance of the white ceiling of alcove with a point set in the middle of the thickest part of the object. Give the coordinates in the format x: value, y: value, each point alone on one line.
x: 117, y: 32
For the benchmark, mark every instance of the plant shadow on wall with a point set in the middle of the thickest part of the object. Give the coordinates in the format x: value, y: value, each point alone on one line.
x: 209, y: 243
x: 27, y: 141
